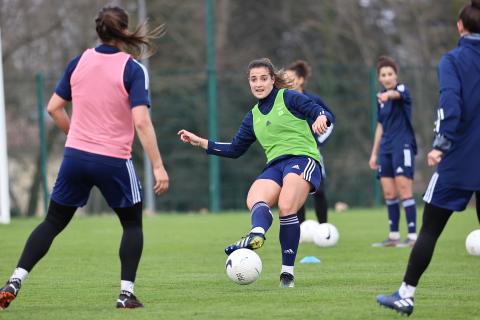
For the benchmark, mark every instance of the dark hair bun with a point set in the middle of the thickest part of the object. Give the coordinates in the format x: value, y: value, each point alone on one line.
x: 476, y: 4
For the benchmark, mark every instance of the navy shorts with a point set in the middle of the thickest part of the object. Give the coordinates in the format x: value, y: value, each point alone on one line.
x: 305, y: 166
x: 446, y: 197
x: 398, y: 163
x: 81, y: 170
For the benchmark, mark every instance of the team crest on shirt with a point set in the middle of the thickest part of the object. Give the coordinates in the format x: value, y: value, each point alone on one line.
x: 268, y: 123
x: 401, y: 88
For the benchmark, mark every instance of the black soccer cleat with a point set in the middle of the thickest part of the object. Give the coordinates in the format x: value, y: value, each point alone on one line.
x: 251, y: 241
x: 395, y: 302
x: 127, y: 300
x: 9, y: 292
x: 287, y: 280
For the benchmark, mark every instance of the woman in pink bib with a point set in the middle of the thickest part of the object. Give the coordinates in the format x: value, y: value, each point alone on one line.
x: 108, y: 90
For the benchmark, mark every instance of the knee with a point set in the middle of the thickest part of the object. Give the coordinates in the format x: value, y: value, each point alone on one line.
x: 285, y: 208
x: 130, y: 217
x: 405, y: 193
x: 252, y: 201
x: 59, y: 216
x: 389, y: 194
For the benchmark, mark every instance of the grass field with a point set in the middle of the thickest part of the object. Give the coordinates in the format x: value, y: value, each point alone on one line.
x: 181, y: 275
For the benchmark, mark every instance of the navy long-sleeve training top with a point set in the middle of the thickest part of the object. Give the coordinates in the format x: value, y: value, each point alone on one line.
x: 298, y: 104
x: 458, y: 123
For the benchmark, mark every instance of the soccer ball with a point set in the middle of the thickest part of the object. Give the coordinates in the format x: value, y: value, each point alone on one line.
x: 243, y: 266
x: 473, y: 243
x: 326, y: 235
x: 307, y: 229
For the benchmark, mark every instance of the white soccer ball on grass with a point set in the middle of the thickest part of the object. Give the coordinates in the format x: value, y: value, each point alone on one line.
x: 308, y: 228
x: 243, y: 266
x: 472, y: 243
x: 326, y: 235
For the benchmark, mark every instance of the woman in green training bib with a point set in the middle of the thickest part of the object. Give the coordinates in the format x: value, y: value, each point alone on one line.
x: 279, y: 122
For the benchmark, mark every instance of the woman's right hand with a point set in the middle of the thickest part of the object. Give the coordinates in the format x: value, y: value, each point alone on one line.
x: 161, y: 180
x: 373, y: 162
x: 194, y: 140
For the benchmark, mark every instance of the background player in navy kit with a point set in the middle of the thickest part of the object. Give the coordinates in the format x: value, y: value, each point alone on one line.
x: 393, y: 151
x: 297, y: 74
x: 456, y: 151
x: 109, y: 94
x: 278, y: 122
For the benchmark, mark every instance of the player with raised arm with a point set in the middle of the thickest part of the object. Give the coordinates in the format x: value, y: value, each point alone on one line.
x: 279, y: 121
x: 393, y: 152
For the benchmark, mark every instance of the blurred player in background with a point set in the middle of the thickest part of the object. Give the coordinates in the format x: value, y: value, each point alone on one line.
x: 393, y: 152
x: 456, y: 151
x: 297, y: 74
x: 279, y: 122
x: 109, y: 94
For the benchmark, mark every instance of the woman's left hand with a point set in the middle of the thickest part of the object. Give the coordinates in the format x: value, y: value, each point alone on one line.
x: 320, y: 125
x: 434, y: 157
x: 383, y: 97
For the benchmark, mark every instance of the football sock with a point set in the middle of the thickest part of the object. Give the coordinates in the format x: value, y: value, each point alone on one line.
x: 19, y: 274
x: 289, y: 238
x: 126, y: 286
x: 406, y: 291
x: 434, y: 221
x: 288, y: 269
x: 411, y: 214
x: 40, y: 240
x: 393, y: 214
x: 394, y: 235
x: 261, y: 217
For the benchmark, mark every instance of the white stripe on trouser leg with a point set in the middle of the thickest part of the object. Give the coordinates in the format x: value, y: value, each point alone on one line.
x: 407, y: 158
x: 305, y: 171
x: 127, y: 163
x: 133, y: 182
x: 431, y: 186
x: 312, y: 168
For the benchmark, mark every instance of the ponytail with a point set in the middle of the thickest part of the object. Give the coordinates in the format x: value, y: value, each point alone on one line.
x: 112, y: 26
x: 301, y: 69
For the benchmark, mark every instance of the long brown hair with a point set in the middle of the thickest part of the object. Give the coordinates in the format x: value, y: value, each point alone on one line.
x: 301, y: 69
x: 112, y: 27
x: 279, y: 75
x: 470, y: 16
